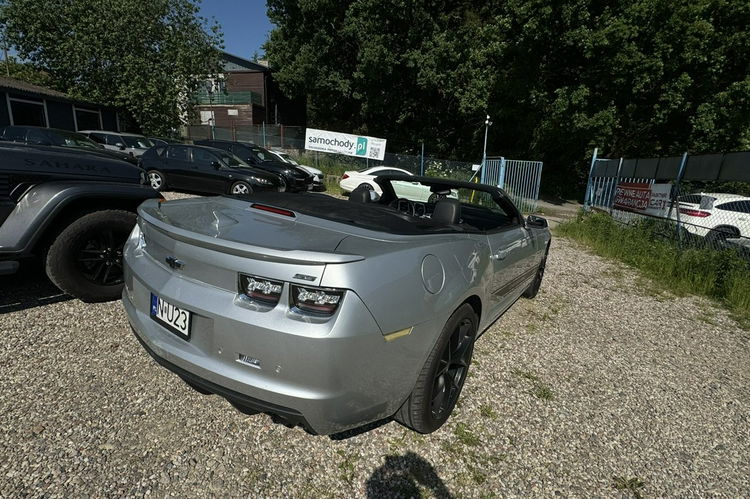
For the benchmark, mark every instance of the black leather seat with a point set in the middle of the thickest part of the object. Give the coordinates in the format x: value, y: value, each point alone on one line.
x: 361, y: 195
x: 447, y: 212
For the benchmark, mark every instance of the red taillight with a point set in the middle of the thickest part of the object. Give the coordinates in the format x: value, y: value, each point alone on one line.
x: 272, y: 209
x: 344, y: 176
x: 695, y: 213
x: 318, y: 301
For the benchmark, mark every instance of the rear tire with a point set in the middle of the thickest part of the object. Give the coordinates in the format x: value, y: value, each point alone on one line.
x: 440, y: 382
x: 85, y: 260
x: 718, y: 236
x: 156, y: 180
x: 240, y: 188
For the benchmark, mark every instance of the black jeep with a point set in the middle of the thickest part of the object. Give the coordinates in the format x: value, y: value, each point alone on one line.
x: 73, y: 209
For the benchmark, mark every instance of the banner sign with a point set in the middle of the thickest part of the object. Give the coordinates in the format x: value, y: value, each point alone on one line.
x: 642, y: 197
x: 344, y: 143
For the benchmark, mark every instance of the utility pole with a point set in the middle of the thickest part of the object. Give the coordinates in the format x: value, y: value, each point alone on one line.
x: 487, y: 124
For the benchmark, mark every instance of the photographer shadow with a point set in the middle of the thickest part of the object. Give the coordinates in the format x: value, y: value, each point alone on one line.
x: 402, y: 476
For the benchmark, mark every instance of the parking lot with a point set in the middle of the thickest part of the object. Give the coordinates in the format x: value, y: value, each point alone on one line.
x: 602, y: 386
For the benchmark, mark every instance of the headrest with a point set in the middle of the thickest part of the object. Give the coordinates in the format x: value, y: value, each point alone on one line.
x: 447, y: 212
x: 360, y: 195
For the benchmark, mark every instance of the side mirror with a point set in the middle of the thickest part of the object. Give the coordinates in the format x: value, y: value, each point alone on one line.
x: 216, y: 164
x: 120, y: 145
x: 537, y: 222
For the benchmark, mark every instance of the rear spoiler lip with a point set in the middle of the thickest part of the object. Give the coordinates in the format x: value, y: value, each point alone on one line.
x: 246, y: 250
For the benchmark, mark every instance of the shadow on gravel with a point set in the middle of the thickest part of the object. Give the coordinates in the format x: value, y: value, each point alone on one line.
x: 402, y: 475
x: 28, y: 288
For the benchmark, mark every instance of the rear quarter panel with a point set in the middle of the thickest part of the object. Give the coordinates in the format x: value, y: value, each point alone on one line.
x: 391, y: 283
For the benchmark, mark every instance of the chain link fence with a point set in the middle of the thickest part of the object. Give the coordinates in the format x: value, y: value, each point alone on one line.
x: 698, y: 201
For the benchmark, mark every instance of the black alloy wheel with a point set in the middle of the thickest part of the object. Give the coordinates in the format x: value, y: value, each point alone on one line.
x: 442, y: 377
x: 100, y: 258
x: 85, y: 260
x: 451, y: 372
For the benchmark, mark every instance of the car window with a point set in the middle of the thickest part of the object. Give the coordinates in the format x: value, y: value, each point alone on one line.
x: 98, y: 137
x: 74, y: 140
x: 260, y: 153
x: 111, y: 139
x: 737, y: 206
x: 35, y: 136
x: 231, y: 160
x: 691, y: 198
x: 159, y: 151
x: 707, y: 202
x: 178, y: 153
x: 480, y: 210
x: 14, y: 133
x: 203, y: 158
x: 137, y: 142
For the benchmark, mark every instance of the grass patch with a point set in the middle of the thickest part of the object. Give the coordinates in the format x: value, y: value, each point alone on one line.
x: 633, y: 485
x: 538, y: 388
x: 487, y: 411
x: 347, y: 466
x: 466, y: 436
x: 542, y: 392
x: 723, y: 274
x: 526, y: 375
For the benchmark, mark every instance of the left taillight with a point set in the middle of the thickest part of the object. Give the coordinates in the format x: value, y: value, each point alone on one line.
x: 261, y: 289
x: 318, y: 301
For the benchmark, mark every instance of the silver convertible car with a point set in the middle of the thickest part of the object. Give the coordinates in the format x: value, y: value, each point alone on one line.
x: 330, y: 313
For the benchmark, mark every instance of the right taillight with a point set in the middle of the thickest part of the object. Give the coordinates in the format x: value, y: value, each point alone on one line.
x: 318, y: 301
x: 694, y: 213
x: 344, y: 176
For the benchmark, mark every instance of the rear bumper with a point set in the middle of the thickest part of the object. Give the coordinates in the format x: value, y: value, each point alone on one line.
x: 324, y: 376
x: 286, y: 415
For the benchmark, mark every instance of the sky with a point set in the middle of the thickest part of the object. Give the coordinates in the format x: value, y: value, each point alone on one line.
x: 244, y: 24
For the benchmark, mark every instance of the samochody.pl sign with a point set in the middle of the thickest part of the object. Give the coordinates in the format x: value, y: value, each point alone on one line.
x: 344, y: 143
x: 642, y: 197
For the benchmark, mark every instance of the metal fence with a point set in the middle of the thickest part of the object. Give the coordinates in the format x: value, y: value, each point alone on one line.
x: 519, y: 178
x: 697, y: 200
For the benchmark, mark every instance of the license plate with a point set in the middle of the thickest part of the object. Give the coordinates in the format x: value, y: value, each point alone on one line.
x: 170, y: 316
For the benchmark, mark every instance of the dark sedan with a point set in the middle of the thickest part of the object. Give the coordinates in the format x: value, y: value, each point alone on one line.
x: 59, y: 138
x: 205, y: 170
x: 296, y: 178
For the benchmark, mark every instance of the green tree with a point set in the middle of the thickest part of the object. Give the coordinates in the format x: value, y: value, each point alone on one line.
x: 143, y: 57
x: 645, y: 77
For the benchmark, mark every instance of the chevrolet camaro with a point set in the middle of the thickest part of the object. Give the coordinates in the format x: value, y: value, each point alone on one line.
x: 330, y: 313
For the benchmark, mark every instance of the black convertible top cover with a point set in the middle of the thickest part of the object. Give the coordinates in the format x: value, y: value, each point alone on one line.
x: 372, y: 216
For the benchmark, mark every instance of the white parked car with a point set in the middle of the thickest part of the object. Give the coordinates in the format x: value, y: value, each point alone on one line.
x: 350, y: 180
x: 131, y: 143
x: 317, y: 175
x: 715, y: 216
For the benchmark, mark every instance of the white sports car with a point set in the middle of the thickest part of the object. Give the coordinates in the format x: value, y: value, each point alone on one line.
x: 350, y: 180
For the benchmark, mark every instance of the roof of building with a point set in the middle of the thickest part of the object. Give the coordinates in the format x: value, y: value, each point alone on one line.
x: 236, y: 63
x: 27, y: 87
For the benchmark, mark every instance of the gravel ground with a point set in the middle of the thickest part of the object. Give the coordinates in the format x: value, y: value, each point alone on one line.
x: 602, y: 386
